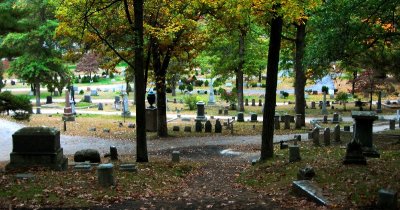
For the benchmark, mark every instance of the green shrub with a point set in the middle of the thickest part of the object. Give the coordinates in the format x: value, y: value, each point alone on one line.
x: 95, y: 78
x: 199, y: 83
x: 81, y: 92
x: 189, y: 87
x: 206, y: 83
x: 182, y: 87
x: 20, y: 105
x: 191, y: 101
x: 324, y: 89
x: 343, y: 97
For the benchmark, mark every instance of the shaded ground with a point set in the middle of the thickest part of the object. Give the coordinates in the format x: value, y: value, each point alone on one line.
x: 214, y: 187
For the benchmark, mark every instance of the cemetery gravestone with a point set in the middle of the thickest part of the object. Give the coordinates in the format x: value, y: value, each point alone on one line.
x: 346, y: 128
x: 187, y: 129
x: 87, y: 99
x: 392, y: 124
x: 90, y: 155
x: 294, y: 153
x: 277, y: 122
x: 49, y: 100
x: 175, y: 156
x: 240, y: 117
x: 335, y: 118
x: 287, y: 122
x: 306, y: 173
x: 208, y: 127
x: 226, y: 112
x: 246, y: 102
x: 253, y: 117
x: 298, y: 121
x: 325, y: 120
x: 259, y: 102
x: 363, y: 131
x: 315, y: 136
x: 113, y: 153
x: 100, y: 106
x: 105, y: 175
x: 37, y: 146
x: 198, y: 126
x: 175, y: 128
x: 218, y: 126
x: 387, y: 199
x: 327, y: 137
x: 336, y: 133
x: 253, y: 102
x: 313, y: 105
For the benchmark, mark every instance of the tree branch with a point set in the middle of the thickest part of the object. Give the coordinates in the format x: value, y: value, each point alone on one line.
x: 128, y: 15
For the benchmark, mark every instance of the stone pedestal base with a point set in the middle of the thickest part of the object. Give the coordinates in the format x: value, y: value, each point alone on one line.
x: 370, y: 152
x: 151, y: 119
x: 354, y: 154
x: 56, y: 161
x: 70, y: 117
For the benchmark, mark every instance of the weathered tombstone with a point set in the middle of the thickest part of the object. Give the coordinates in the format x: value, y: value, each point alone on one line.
x: 49, y: 100
x: 218, y: 126
x: 387, y: 199
x: 55, y: 93
x: 83, y: 167
x: 100, y: 106
x: 354, y: 154
x: 226, y: 112
x: 297, y: 138
x: 93, y: 93
x: 175, y: 128
x: 306, y: 173
x: 336, y: 133
x: 175, y: 156
x: 188, y: 129
x: 287, y: 121
x: 283, y: 145
x: 315, y: 136
x: 131, y: 125
x: 106, y: 130
x: 87, y: 99
x: 277, y: 122
x: 125, y: 106
x: 253, y: 102
x: 392, y: 124
x: 363, y: 131
x: 90, y: 155
x: 327, y: 136
x: 335, y: 118
x: 220, y: 111
x: 113, y: 153
x: 105, y: 175
x: 346, y: 128
x: 325, y: 120
x: 37, y: 146
x: 294, y: 153
x: 328, y: 103
x: 200, y: 111
x: 211, y: 97
x: 240, y: 117
x: 198, y: 126
x: 253, y: 117
x: 298, y: 121
x: 313, y: 105
x: 208, y: 127
x: 259, y: 102
x: 117, y: 99
x: 174, y: 100
x: 68, y: 113
x: 246, y: 102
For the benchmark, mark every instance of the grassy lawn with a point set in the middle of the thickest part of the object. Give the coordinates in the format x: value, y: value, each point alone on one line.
x: 347, y: 186
x: 80, y: 189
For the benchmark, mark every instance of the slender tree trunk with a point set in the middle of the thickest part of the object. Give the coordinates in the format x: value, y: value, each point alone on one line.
x: 353, y: 84
x: 300, y: 76
x: 160, y: 74
x: 239, y: 73
x: 37, y: 90
x: 140, y: 84
x: 267, y: 138
x: 173, y: 85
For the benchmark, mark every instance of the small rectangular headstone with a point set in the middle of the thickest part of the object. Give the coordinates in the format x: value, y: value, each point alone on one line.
x: 82, y: 167
x: 130, y: 167
x: 175, y: 156
x: 387, y: 199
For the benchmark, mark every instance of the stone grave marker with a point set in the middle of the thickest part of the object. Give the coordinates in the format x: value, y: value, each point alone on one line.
x: 306, y: 173
x: 311, y: 190
x: 220, y: 111
x: 313, y: 105
x: 277, y: 122
x: 325, y: 120
x: 83, y: 167
x: 363, y: 131
x: 336, y: 133
x: 354, y: 154
x: 346, y: 128
x: 175, y: 128
x: 294, y: 153
x: 246, y: 102
x: 37, y: 146
x: 327, y: 136
x: 287, y: 122
x: 240, y: 117
x: 253, y: 102
x: 105, y: 175
x: 335, y: 118
x: 283, y: 145
x: 113, y: 153
x: 208, y: 127
x: 90, y: 155
x: 49, y: 100
x: 298, y: 121
x: 188, y: 129
x: 315, y: 136
x: 87, y: 99
x: 129, y: 167
x: 218, y: 126
x: 100, y: 106
x: 253, y: 117
x: 226, y: 112
x: 259, y: 102
x: 198, y: 126
x: 175, y: 156
x: 387, y: 199
x: 392, y: 124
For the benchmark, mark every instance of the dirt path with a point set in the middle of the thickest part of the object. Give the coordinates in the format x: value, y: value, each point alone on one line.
x: 214, y: 187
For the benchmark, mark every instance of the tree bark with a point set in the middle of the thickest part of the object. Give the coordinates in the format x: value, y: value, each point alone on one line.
x: 239, y: 73
x: 300, y: 75
x: 267, y: 147
x: 353, y: 84
x: 141, y: 141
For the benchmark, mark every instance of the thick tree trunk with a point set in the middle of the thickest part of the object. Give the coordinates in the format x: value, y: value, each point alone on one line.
x: 140, y: 84
x: 37, y: 90
x: 300, y: 75
x: 267, y: 147
x: 239, y: 73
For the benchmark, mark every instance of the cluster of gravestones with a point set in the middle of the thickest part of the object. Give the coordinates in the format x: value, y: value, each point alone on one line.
x: 199, y: 127
x: 320, y: 104
x: 315, y: 135
x: 287, y: 119
x: 253, y: 102
x: 253, y: 117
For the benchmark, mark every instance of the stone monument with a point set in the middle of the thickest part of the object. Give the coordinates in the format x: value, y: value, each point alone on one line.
x: 125, y: 105
x: 200, y: 112
x: 68, y: 114
x: 211, y: 98
x: 151, y: 113
x: 363, y: 131
x: 37, y: 146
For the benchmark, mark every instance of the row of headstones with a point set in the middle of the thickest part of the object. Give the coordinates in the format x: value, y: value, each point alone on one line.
x: 328, y: 104
x: 253, y: 102
x: 314, y: 135
x: 199, y: 127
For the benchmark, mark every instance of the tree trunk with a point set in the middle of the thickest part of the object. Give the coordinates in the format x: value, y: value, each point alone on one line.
x: 267, y: 147
x: 300, y: 76
x: 140, y: 82
x: 173, y: 85
x: 160, y: 74
x: 37, y: 90
x: 353, y: 84
x: 239, y: 73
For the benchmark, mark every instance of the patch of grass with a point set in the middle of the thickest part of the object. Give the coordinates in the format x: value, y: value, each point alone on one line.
x: 348, y: 186
x: 80, y: 189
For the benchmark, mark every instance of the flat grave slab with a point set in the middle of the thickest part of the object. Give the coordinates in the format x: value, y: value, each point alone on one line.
x: 310, y: 190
